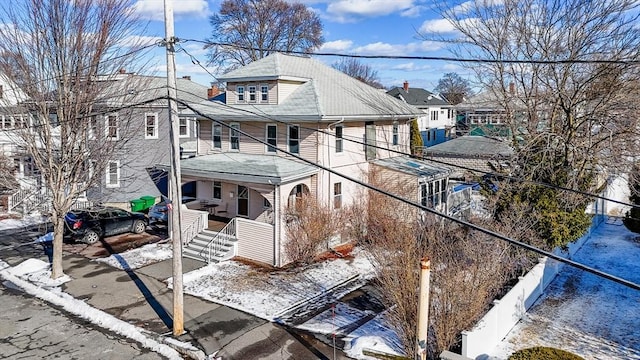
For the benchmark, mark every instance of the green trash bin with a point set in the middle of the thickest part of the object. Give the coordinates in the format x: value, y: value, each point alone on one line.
x: 148, y: 201
x: 137, y: 205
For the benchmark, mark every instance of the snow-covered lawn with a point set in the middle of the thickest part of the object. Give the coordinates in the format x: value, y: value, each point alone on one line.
x: 583, y: 313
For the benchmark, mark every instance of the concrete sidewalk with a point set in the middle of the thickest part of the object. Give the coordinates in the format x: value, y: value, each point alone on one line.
x: 141, y: 297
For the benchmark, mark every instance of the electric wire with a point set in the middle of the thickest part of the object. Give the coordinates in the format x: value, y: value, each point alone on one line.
x: 491, y: 233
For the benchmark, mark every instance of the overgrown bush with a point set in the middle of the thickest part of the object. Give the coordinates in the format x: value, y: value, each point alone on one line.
x: 543, y: 353
x: 309, y: 227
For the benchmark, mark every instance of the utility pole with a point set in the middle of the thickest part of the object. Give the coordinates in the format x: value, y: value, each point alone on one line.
x: 423, y: 308
x: 174, y: 174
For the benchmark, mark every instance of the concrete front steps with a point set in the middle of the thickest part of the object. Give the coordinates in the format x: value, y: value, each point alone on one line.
x: 196, y: 249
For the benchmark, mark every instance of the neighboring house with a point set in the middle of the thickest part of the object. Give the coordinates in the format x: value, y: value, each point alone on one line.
x: 308, y: 109
x: 144, y: 129
x: 471, y: 155
x: 438, y: 123
x: 486, y: 114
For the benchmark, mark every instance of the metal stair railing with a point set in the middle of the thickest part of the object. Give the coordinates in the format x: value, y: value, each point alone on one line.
x: 221, y: 240
x: 19, y: 197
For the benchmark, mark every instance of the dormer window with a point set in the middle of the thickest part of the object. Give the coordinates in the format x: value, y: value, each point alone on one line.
x: 240, y: 91
x: 252, y: 93
x: 264, y: 93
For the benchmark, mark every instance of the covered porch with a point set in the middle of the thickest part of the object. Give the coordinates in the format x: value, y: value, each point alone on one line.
x: 244, y: 196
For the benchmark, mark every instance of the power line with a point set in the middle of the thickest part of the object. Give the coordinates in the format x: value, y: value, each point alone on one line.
x: 433, y: 58
x: 493, y: 174
x: 551, y: 255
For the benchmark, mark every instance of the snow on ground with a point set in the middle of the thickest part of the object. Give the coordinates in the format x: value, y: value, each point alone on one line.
x: 34, y: 277
x: 139, y: 257
x: 585, y: 314
x: 266, y: 294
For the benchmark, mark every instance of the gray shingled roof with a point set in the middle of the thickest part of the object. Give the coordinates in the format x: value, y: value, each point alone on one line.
x: 245, y: 167
x: 418, y: 97
x: 472, y: 146
x: 327, y: 93
x: 131, y: 89
x: 411, y: 166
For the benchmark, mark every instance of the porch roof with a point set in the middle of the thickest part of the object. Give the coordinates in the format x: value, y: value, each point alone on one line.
x: 238, y: 167
x: 411, y: 166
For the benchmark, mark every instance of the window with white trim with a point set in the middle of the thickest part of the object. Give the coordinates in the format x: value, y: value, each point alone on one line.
x: 92, y: 132
x: 183, y: 124
x: 264, y: 93
x: 293, y: 137
x: 216, y: 135
x: 240, y: 92
x: 433, y: 193
x: 395, y: 136
x: 113, y: 174
x: 151, y: 126
x: 217, y: 190
x: 234, y: 136
x: 337, y: 195
x: 434, y: 114
x: 339, y: 141
x: 271, y: 138
x: 111, y: 127
x: 252, y: 93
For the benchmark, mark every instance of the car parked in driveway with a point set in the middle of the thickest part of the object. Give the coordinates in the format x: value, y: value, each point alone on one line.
x: 91, y: 225
x: 159, y: 212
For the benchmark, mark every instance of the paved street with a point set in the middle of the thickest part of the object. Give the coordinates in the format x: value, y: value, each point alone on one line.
x: 32, y: 329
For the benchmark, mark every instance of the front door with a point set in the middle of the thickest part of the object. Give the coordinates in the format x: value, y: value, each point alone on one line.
x: 243, y: 201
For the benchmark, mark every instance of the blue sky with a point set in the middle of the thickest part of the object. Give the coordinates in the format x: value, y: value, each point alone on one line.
x: 371, y: 27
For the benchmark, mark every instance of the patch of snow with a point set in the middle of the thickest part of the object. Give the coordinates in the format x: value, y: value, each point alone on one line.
x: 139, y: 257
x: 583, y: 313
x: 80, y: 308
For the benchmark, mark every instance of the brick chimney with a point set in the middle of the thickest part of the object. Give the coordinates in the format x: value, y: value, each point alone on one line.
x: 187, y: 77
x: 122, y: 71
x: 405, y: 86
x: 213, y: 91
x: 512, y: 88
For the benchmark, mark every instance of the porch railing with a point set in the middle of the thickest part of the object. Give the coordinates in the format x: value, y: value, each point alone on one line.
x: 221, y: 241
x: 18, y: 197
x: 198, y: 221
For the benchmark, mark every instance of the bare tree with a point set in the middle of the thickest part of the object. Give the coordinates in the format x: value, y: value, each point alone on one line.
x: 468, y: 268
x: 569, y: 99
x: 356, y: 69
x: 453, y: 87
x: 60, y: 52
x: 247, y: 30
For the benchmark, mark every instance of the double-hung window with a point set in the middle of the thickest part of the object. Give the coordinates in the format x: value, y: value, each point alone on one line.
x: 339, y: 140
x: 337, y: 195
x: 395, y: 135
x: 113, y: 174
x: 294, y: 139
x: 217, y: 136
x: 264, y: 93
x: 151, y: 126
x: 217, y: 190
x: 111, y: 127
x: 234, y: 137
x: 272, y: 138
x: 252, y: 93
x: 184, y: 127
x: 240, y: 91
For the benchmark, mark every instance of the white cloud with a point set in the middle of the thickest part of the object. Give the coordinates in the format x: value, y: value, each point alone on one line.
x: 154, y: 9
x: 380, y: 48
x: 437, y: 26
x: 345, y: 10
x: 137, y: 40
x: 411, y: 66
x: 336, y: 45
